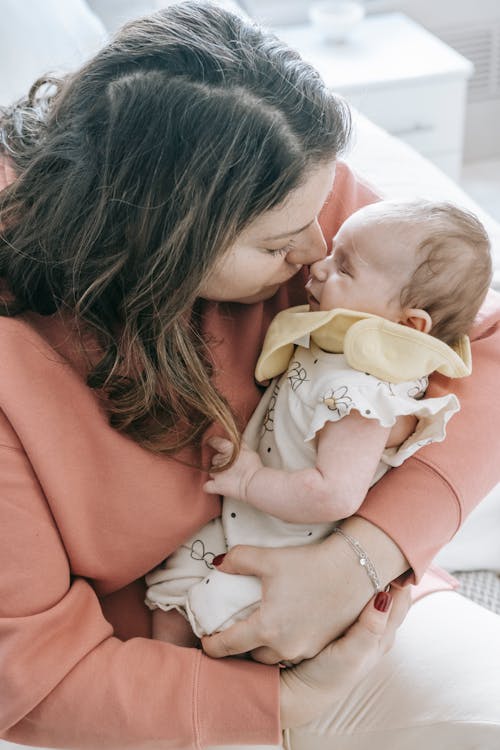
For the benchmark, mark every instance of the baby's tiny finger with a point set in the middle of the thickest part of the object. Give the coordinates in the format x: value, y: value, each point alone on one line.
x: 219, y: 460
x: 220, y: 444
x: 210, y: 487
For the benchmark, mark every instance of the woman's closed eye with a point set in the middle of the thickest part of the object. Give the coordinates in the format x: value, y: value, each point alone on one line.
x: 280, y: 250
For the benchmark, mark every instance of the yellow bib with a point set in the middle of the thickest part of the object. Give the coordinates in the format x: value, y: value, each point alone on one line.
x: 389, y: 351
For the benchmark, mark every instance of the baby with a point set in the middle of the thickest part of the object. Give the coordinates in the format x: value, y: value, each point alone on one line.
x: 391, y: 304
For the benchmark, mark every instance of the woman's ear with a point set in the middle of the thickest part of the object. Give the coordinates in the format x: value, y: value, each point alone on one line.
x: 416, y: 318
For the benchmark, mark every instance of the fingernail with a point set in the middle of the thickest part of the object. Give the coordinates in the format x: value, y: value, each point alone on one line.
x: 382, y: 601
x: 218, y: 560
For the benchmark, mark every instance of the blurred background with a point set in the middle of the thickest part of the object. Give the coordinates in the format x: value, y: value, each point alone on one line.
x: 41, y: 35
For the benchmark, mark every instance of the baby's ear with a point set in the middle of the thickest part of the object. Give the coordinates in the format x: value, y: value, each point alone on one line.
x: 416, y: 318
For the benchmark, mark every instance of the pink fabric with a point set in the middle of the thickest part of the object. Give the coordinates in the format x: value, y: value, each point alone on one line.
x: 7, y: 174
x: 86, y: 513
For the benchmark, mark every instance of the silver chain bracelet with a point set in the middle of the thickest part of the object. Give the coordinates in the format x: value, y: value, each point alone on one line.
x: 363, y: 558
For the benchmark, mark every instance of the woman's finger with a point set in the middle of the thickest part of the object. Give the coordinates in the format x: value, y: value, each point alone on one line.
x: 374, y: 631
x: 375, y: 616
x: 238, y: 639
x: 401, y: 604
x: 245, y: 560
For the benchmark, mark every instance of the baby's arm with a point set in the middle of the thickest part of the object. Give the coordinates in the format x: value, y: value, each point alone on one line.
x: 401, y: 431
x: 348, y: 453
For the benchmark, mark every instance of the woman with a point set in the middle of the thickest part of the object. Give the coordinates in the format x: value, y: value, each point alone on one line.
x: 164, y: 201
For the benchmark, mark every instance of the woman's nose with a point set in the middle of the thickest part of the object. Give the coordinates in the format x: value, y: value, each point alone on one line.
x: 310, y: 248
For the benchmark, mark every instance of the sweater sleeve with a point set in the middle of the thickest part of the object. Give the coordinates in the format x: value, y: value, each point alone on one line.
x: 422, y: 504
x: 68, y: 682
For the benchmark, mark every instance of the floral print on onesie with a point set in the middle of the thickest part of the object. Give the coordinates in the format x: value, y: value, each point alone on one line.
x: 317, y: 387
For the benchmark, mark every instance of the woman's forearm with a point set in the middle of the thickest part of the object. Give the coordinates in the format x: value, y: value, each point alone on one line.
x: 357, y: 588
x: 385, y: 554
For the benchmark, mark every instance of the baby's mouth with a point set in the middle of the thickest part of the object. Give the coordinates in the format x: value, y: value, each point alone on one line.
x: 313, y: 302
x: 311, y: 299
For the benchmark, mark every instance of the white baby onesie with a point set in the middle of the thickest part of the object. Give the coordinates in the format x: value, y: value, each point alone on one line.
x: 317, y: 387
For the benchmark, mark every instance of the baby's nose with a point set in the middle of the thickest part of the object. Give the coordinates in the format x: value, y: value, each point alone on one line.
x: 319, y: 269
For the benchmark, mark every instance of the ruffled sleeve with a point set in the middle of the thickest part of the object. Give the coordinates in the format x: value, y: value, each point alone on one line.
x: 376, y: 399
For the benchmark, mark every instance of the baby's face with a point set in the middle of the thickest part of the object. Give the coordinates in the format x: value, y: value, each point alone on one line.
x: 370, y: 263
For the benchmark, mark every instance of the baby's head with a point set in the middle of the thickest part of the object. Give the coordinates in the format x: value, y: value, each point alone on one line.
x: 420, y: 263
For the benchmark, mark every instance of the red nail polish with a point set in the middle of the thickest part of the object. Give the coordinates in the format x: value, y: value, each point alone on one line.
x: 218, y: 560
x: 382, y: 601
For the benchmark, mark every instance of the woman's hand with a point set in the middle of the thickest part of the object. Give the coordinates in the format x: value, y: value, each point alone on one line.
x: 310, y: 688
x: 310, y: 594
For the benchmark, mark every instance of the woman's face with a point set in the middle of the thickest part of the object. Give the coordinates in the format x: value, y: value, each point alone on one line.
x: 275, y: 246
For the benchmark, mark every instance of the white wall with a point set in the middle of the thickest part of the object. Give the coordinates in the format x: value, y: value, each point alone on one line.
x: 482, y: 129
x: 444, y: 17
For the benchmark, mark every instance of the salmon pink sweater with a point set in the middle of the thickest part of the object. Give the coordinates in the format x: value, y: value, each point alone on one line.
x: 85, y: 513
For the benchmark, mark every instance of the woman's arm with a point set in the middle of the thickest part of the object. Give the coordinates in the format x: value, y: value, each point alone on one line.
x: 68, y: 681
x: 324, y: 493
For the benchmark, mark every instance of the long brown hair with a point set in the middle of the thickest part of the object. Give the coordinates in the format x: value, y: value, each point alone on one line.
x: 135, y: 175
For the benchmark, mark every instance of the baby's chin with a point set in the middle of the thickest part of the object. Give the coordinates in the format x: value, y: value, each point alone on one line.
x: 312, y: 302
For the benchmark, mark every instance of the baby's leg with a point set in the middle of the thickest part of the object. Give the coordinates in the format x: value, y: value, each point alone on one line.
x: 172, y: 627
x: 169, y: 583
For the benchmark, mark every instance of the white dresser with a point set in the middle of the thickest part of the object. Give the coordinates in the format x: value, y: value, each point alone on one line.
x: 400, y: 76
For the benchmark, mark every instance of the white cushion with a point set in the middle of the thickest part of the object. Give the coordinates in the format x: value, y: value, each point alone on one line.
x: 40, y: 37
x: 477, y: 544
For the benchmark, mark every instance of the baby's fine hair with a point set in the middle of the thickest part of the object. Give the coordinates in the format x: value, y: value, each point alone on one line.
x: 454, y: 267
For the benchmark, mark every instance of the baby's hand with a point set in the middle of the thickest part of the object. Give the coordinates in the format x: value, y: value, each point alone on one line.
x: 233, y: 481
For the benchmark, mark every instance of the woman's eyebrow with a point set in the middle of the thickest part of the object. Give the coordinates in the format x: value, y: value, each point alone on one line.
x: 288, y: 234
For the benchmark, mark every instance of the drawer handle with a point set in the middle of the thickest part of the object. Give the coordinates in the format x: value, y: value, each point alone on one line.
x: 417, y: 128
